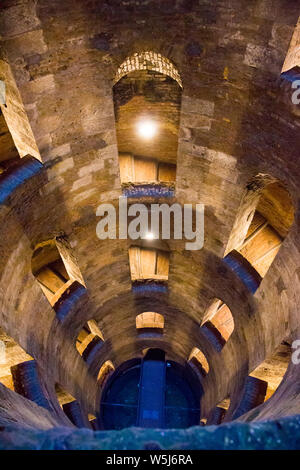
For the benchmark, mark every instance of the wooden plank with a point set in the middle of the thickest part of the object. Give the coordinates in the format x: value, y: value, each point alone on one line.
x: 197, y: 354
x: 166, y: 172
x: 146, y: 320
x: 264, y: 262
x: 145, y: 170
x: 84, y: 343
x: 159, y: 320
x: 150, y: 320
x: 257, y: 221
x: 59, y: 267
x: 134, y: 262
x: 82, y: 335
x: 254, y: 234
x: 148, y: 262
x: 60, y: 292
x: 211, y: 311
x: 7, y: 381
x: 126, y: 168
x: 93, y: 326
x: 223, y: 321
x: 49, y: 279
x: 47, y: 292
x: 266, y: 240
x: 162, y: 266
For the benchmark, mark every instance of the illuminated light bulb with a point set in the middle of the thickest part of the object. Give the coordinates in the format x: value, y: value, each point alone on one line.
x: 149, y: 236
x: 147, y: 129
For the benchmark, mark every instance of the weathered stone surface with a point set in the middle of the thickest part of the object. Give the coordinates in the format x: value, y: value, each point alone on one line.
x: 235, y: 121
x: 283, y: 434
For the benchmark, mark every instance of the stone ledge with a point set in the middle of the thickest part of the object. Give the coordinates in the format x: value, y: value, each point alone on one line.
x: 283, y: 434
x: 146, y: 190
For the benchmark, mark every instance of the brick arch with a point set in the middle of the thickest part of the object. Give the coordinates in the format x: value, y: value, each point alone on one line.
x: 148, y: 60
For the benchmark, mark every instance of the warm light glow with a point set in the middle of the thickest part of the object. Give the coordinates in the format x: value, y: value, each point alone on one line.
x: 149, y: 236
x: 147, y: 129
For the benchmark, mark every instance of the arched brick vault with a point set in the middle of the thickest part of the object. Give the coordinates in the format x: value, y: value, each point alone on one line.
x: 226, y: 138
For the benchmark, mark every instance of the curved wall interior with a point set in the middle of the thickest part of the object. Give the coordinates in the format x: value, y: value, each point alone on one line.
x: 161, y: 102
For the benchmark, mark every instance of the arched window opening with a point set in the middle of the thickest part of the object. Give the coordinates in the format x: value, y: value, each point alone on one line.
x: 147, y: 100
x: 148, y: 61
x: 11, y: 354
x: 63, y: 397
x: 199, y: 362
x: 225, y: 403
x: 55, y: 268
x: 145, y: 170
x: 76, y: 414
x: 13, y: 145
x: 105, y: 371
x: 93, y: 422
x: 148, y: 263
x: 9, y: 155
x: 49, y: 269
x: 218, y: 323
x: 273, y: 369
x: 261, y: 244
x: 252, y: 395
x: 293, y: 55
x: 264, y: 219
x: 150, y: 320
x: 217, y: 416
x: 71, y: 407
x: 87, y: 335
